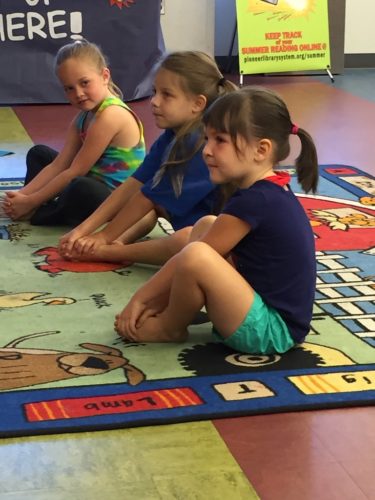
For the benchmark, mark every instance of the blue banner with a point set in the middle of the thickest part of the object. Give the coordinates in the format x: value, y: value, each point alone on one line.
x: 31, y: 32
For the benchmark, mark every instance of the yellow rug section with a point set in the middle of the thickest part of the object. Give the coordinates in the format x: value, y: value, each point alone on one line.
x: 13, y: 138
x: 12, y: 133
x: 179, y: 461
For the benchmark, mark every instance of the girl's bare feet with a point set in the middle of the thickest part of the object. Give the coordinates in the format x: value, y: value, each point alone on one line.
x: 152, y: 330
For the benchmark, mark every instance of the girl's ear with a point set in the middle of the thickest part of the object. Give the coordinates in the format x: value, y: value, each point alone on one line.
x: 106, y: 74
x: 264, y: 149
x: 200, y: 103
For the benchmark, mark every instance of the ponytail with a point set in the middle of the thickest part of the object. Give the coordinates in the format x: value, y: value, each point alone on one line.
x: 307, y: 162
x: 199, y: 74
x: 224, y: 87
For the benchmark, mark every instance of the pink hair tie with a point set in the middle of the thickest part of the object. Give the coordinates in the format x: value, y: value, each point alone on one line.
x: 295, y: 129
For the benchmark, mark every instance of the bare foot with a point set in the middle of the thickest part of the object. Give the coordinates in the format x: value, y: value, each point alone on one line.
x: 118, y: 242
x: 104, y: 253
x: 27, y: 216
x: 153, y: 330
x: 86, y: 257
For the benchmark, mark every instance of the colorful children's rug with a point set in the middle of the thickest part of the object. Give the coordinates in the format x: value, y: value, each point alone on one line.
x: 63, y: 369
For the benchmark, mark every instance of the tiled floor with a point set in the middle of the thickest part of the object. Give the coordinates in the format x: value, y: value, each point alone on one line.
x: 320, y: 455
x: 186, y: 461
x: 326, y: 455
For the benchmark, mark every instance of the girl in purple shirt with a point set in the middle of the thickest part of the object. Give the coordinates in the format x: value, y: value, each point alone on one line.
x: 253, y: 267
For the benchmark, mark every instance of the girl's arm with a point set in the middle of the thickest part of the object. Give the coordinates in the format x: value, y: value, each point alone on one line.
x: 104, y: 213
x: 23, y: 202
x: 150, y: 299
x: 225, y: 233
x: 223, y: 236
x: 133, y: 211
x: 99, y: 135
x: 121, y: 196
x: 111, y: 206
x: 62, y: 161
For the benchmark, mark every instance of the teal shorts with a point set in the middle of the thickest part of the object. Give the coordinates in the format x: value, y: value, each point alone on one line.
x: 263, y: 331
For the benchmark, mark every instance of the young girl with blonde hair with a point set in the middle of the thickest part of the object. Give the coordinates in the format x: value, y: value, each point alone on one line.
x: 104, y: 145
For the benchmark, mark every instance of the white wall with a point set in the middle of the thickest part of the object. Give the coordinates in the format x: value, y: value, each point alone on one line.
x: 360, y: 27
x: 189, y: 25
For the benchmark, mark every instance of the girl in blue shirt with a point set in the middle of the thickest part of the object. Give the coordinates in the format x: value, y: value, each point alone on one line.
x: 173, y: 181
x: 260, y: 299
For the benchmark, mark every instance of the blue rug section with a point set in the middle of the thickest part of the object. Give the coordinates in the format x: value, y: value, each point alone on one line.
x: 11, y: 183
x: 8, y: 184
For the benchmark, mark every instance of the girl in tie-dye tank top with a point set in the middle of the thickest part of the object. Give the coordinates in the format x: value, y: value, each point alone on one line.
x: 116, y: 163
x: 104, y: 146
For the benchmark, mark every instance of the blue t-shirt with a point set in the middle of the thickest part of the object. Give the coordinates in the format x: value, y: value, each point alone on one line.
x: 277, y: 256
x: 198, y: 194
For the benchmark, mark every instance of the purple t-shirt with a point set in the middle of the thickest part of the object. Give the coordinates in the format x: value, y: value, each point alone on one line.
x: 277, y: 256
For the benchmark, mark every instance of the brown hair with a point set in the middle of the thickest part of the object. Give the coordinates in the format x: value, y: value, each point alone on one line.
x: 257, y: 112
x: 83, y: 49
x: 199, y: 74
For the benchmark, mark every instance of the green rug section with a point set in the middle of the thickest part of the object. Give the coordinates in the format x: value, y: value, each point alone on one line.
x: 184, y: 461
x: 49, y: 303
x: 58, y: 310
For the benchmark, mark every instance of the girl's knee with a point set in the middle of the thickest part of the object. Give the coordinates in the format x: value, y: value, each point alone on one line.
x: 86, y: 189
x: 77, y: 185
x: 37, y: 158
x: 34, y: 150
x: 181, y: 237
x: 34, y: 157
x: 205, y: 221
x: 40, y: 152
x: 195, y: 255
x: 202, y: 226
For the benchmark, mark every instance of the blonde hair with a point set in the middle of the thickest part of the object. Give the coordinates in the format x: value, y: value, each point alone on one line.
x: 257, y: 112
x: 83, y: 49
x: 199, y: 75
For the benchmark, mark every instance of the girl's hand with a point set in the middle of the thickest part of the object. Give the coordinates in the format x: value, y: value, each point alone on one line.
x: 88, y: 244
x: 17, y: 205
x: 134, y: 314
x: 126, y: 323
x: 67, y: 241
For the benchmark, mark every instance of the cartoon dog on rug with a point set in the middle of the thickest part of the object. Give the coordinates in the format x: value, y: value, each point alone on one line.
x: 29, y: 367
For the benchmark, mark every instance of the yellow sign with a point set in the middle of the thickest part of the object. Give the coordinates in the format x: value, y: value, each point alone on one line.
x: 282, y: 35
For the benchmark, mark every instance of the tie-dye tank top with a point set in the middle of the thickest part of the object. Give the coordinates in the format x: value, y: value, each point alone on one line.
x: 115, y: 164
